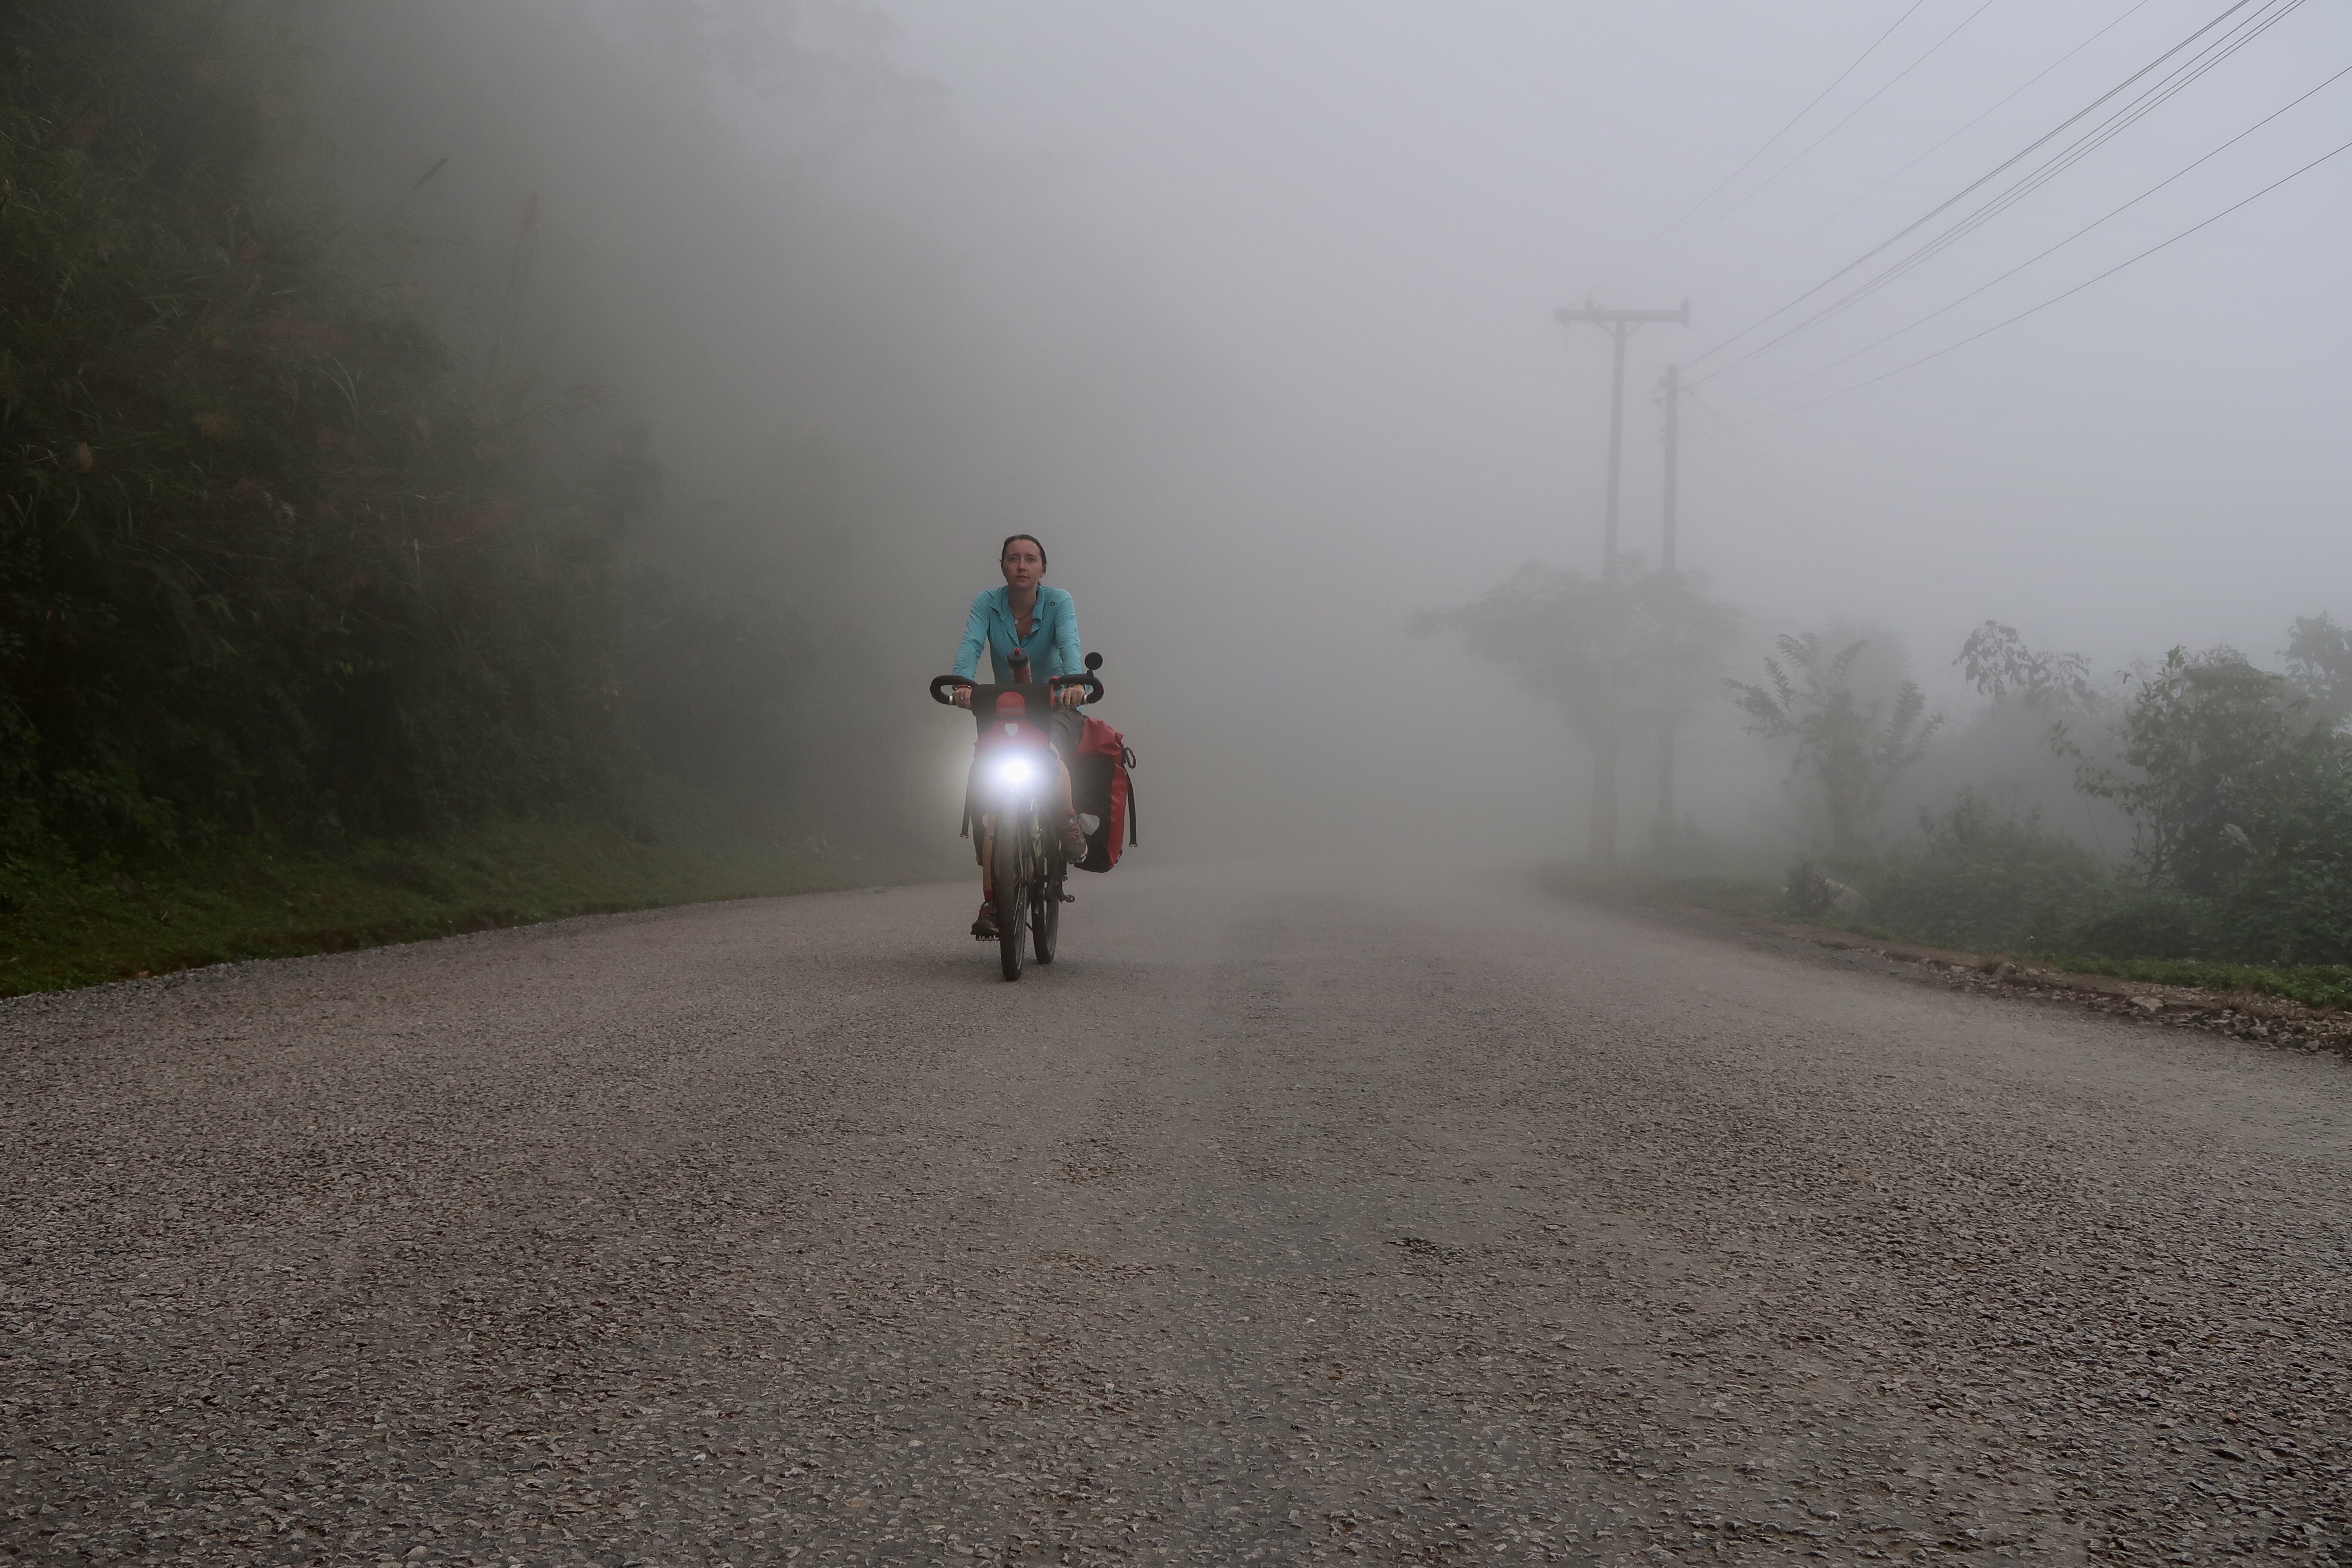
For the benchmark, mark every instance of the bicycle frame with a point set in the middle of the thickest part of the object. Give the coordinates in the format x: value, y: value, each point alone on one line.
x: 1015, y: 768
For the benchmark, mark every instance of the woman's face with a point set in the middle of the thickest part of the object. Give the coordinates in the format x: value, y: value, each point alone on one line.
x: 1023, y: 566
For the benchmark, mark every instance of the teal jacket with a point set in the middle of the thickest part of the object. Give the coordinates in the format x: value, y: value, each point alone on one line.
x: 1052, y: 644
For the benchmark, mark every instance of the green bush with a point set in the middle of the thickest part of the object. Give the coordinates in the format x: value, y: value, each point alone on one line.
x: 2149, y: 923
x: 2240, y: 789
x: 1978, y: 877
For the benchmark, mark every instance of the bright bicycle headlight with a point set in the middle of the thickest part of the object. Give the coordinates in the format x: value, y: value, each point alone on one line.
x: 1014, y: 771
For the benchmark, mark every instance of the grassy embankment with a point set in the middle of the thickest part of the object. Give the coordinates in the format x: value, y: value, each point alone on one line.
x: 66, y: 929
x: 1757, y: 898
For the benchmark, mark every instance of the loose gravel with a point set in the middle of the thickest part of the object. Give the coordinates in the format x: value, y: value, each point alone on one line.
x: 1284, y: 1221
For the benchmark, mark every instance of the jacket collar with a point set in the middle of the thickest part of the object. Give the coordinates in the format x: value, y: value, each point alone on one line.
x: 1002, y: 597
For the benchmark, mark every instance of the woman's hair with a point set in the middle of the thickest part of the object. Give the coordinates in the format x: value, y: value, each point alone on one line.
x: 1033, y: 539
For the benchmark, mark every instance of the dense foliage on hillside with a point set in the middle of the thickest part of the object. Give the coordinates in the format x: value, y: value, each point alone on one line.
x: 260, y: 563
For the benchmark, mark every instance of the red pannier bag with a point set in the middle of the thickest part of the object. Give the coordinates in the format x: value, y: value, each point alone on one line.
x: 1101, y: 791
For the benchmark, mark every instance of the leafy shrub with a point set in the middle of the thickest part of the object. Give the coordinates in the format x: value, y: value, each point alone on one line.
x: 2149, y: 923
x: 1982, y: 878
x: 2242, y: 794
x: 2239, y: 787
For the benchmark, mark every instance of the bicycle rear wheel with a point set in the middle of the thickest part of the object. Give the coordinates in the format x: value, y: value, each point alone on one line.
x: 1011, y: 873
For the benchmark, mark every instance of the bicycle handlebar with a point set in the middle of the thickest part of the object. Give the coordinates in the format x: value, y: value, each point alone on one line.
x: 943, y: 684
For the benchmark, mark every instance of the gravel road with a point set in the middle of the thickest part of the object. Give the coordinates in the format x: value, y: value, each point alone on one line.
x: 1286, y: 1220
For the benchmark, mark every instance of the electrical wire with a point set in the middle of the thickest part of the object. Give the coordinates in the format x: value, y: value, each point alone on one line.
x: 2235, y: 6
x: 1765, y: 184
x: 2053, y: 300
x: 2038, y: 255
x: 2130, y: 11
x: 1768, y: 141
x: 1755, y: 467
x: 2211, y: 58
x: 2058, y: 163
x: 1729, y: 431
x: 1732, y: 464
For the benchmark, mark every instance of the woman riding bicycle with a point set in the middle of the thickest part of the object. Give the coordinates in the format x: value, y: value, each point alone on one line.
x: 1042, y: 624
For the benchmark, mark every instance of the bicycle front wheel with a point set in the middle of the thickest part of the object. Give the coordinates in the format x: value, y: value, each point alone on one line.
x: 1045, y: 909
x: 1011, y: 872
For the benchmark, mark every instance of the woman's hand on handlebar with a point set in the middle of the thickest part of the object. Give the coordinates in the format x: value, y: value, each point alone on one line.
x: 1069, y: 691
x: 961, y: 695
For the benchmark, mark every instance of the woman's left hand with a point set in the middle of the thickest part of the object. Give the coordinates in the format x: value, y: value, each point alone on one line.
x: 1069, y: 696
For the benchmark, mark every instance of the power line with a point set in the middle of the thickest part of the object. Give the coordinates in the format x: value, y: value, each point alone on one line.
x: 2091, y: 142
x: 2134, y: 9
x: 1761, y: 185
x: 2099, y: 135
x: 2058, y: 163
x: 2029, y: 262
x: 1731, y: 464
x: 1735, y: 444
x: 1732, y: 451
x: 2069, y: 294
x: 2236, y: 6
x: 1776, y: 136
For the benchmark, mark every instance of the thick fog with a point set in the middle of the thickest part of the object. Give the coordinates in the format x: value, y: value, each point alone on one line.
x: 1246, y: 311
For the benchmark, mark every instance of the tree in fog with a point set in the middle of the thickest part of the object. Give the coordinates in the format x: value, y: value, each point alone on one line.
x: 1997, y: 662
x: 1851, y: 748
x: 2223, y: 766
x: 2319, y: 666
x: 1615, y: 658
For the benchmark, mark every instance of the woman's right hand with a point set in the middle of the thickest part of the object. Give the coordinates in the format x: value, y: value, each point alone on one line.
x: 961, y: 695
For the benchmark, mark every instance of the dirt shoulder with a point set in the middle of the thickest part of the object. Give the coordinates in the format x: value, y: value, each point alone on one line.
x: 2255, y: 1016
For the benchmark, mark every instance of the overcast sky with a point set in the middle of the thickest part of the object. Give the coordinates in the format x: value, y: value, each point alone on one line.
x: 1355, y: 219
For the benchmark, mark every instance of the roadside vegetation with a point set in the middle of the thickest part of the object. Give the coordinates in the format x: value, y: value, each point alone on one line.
x: 2233, y: 783
x: 316, y: 628
x: 2236, y: 781
x: 67, y: 926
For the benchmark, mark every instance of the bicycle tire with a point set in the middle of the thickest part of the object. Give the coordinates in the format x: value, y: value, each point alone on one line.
x: 1011, y: 874
x: 1045, y: 910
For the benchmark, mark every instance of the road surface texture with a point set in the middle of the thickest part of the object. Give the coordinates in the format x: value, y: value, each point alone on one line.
x: 1284, y: 1221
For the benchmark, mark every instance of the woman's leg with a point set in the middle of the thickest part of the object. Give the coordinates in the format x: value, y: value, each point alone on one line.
x: 984, y: 839
x: 1068, y: 727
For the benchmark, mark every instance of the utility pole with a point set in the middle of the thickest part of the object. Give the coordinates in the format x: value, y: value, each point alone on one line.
x: 1620, y: 325
x: 1672, y: 389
